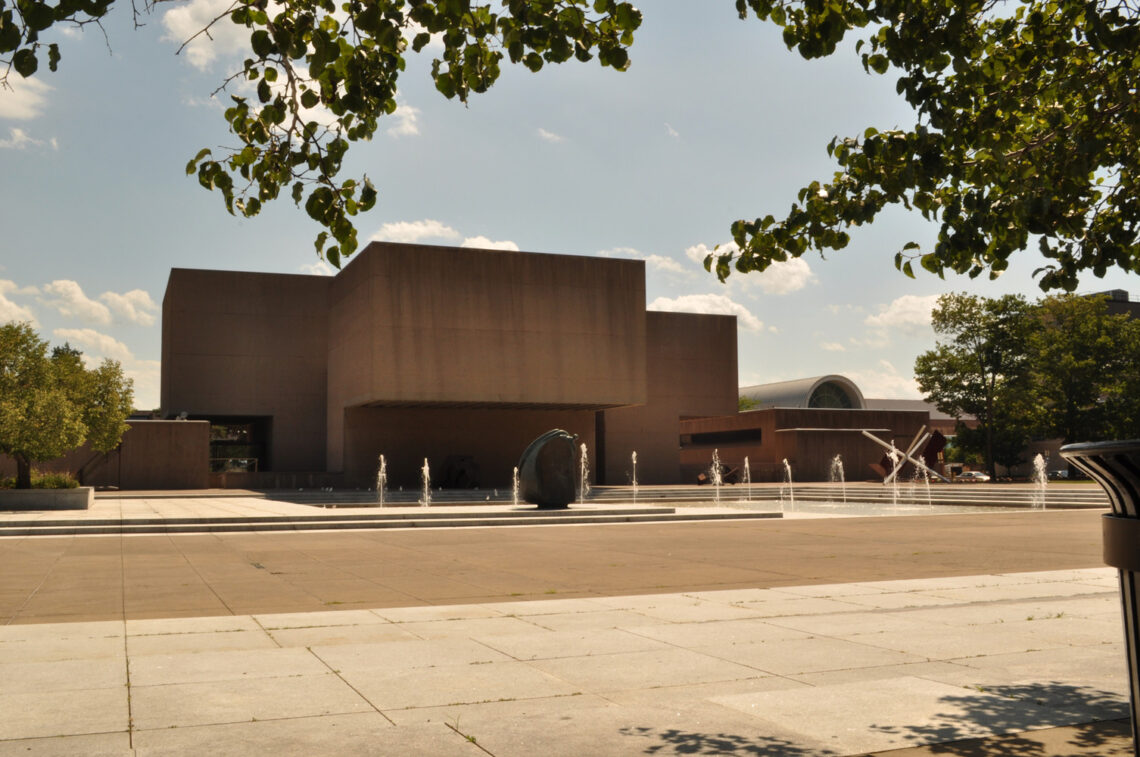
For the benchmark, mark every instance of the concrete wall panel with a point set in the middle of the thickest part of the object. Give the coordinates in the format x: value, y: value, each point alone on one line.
x: 405, y: 436
x: 250, y: 344
x: 415, y: 324
x: 152, y: 455
x: 691, y: 369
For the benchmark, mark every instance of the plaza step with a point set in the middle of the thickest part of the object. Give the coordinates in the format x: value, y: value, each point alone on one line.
x: 426, y: 519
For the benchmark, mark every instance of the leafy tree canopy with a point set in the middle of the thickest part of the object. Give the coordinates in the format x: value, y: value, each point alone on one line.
x: 1087, y: 370
x: 1062, y: 367
x: 325, y: 73
x: 1027, y: 132
x: 52, y: 404
x: 980, y: 367
x: 1027, y: 127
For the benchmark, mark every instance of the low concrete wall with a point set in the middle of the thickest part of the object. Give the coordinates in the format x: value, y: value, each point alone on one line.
x: 152, y: 455
x: 79, y: 498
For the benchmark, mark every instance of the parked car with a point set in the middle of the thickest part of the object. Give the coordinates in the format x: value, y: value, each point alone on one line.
x: 974, y: 476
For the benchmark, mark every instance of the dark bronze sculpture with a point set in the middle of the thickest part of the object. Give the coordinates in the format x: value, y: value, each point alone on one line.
x: 546, y: 470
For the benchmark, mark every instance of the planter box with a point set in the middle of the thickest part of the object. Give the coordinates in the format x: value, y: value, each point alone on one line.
x: 79, y: 498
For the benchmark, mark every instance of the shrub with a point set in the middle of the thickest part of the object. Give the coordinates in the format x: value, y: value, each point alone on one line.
x: 53, y: 481
x: 43, y: 481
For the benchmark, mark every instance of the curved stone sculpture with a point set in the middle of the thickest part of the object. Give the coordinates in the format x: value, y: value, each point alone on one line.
x: 546, y: 470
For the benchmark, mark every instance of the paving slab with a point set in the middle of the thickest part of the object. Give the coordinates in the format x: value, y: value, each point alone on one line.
x: 175, y: 705
x: 363, y: 734
x: 204, y: 667
x: 88, y: 745
x: 63, y: 712
x: 438, y: 685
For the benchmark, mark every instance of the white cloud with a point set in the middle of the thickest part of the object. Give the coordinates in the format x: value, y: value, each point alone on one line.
x: 147, y: 377
x: 428, y: 229
x: 70, y: 301
x: 66, y: 296
x: 225, y: 39
x: 11, y: 311
x: 671, y: 131
x: 550, y: 136
x: 23, y: 99
x: 884, y: 382
x: 483, y: 243
x: 698, y: 252
x: 658, y: 262
x: 833, y: 347
x: 95, y: 345
x: 134, y: 306
x: 909, y: 314
x: 414, y: 231
x: 779, y: 278
x: 319, y: 268
x: 709, y: 303
x: 783, y: 277
x: 19, y: 140
x: 407, y: 122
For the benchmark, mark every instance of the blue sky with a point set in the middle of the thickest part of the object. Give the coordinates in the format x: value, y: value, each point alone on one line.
x: 715, y: 120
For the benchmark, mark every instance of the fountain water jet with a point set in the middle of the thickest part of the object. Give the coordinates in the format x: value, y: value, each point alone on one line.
x: 714, y: 474
x: 425, y: 472
x: 1040, y: 481
x: 791, y: 489
x: 633, y: 461
x: 381, y: 480
x: 583, y: 475
x: 835, y: 475
x: 747, y: 481
x: 514, y: 487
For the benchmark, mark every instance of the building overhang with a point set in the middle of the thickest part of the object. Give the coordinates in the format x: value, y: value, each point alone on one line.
x: 476, y: 405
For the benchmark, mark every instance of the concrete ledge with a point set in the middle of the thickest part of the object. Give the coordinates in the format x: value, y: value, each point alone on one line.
x: 79, y: 498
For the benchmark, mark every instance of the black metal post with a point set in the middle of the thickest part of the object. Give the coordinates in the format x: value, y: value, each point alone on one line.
x: 1116, y: 467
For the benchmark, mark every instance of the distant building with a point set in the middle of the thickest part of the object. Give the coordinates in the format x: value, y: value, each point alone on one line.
x: 1119, y: 302
x: 460, y: 356
x: 806, y: 422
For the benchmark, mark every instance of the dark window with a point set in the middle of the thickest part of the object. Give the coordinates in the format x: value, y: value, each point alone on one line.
x: 738, y: 436
x: 830, y: 395
x: 239, y: 444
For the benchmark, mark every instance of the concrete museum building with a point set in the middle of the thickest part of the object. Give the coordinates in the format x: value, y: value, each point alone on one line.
x: 462, y: 356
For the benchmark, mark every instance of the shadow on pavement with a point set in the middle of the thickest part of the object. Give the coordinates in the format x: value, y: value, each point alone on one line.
x: 1022, y: 710
x: 673, y: 741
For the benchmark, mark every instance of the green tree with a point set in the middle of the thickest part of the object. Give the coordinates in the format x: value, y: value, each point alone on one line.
x: 326, y: 72
x: 1084, y: 369
x: 52, y: 404
x: 1027, y: 132
x: 979, y: 367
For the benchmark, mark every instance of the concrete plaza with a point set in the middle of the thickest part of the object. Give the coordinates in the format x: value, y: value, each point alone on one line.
x: 996, y: 633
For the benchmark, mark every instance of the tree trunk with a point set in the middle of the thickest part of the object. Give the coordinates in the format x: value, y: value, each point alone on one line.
x: 23, y: 472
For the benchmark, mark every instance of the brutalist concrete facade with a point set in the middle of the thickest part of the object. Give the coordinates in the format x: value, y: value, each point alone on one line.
x: 416, y: 351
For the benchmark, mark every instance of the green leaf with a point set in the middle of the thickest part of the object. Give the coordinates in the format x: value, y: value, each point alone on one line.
x: 192, y: 166
x: 261, y: 43
x: 24, y: 61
